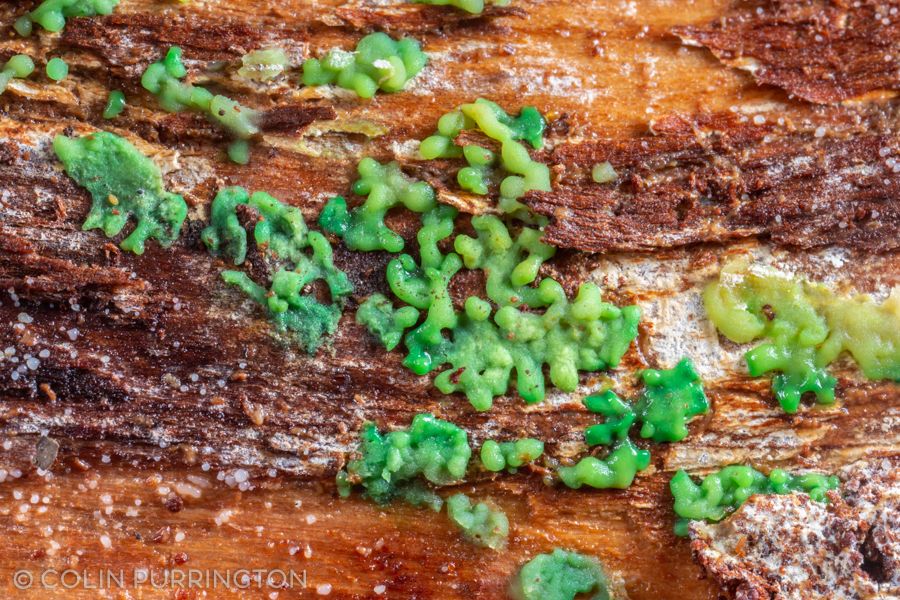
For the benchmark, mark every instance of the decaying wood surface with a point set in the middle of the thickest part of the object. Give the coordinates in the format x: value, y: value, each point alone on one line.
x: 190, y: 437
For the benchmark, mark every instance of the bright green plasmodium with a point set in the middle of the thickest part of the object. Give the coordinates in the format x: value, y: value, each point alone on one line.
x: 264, y: 64
x: 52, y: 14
x: 385, y: 322
x: 115, y: 104
x: 483, y: 348
x: 561, y: 575
x: 512, y: 172
x: 19, y: 66
x: 476, y: 7
x: 57, y: 69
x: 481, y: 523
x: 670, y: 398
x: 163, y: 79
x: 723, y: 492
x: 378, y: 63
x: 282, y: 238
x: 392, y: 465
x: 510, y: 264
x: 384, y: 186
x: 496, y: 456
x: 806, y: 327
x: 123, y: 183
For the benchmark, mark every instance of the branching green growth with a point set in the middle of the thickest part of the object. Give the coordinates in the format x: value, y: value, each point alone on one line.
x: 723, y: 492
x: 282, y: 237
x: 19, y: 66
x: 123, y: 183
x: 617, y: 470
x: 264, y: 64
x: 378, y: 63
x: 510, y: 265
x: 391, y: 464
x: 385, y: 186
x: 807, y: 326
x: 280, y: 231
x: 163, y: 79
x: 561, y: 575
x: 52, y: 14
x: 385, y: 322
x: 619, y: 419
x: 670, y: 398
x: 513, y: 170
x: 481, y: 524
x: 476, y: 7
x: 510, y: 455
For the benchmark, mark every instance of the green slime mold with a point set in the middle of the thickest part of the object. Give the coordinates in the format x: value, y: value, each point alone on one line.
x: 19, y: 66
x: 670, y: 398
x: 722, y: 492
x: 391, y: 464
x: 52, y: 14
x: 163, y: 79
x: 496, y: 456
x: 807, y: 326
x: 378, y: 63
x: 123, y: 183
x: 385, y: 186
x: 560, y: 575
x: 385, y: 322
x: 475, y: 7
x: 480, y: 523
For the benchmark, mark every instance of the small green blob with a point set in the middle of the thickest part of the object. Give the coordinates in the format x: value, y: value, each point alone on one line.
x: 57, y: 69
x: 378, y: 63
x: 510, y: 455
x: 481, y: 524
x: 163, y: 79
x: 385, y: 322
x: 384, y: 186
x: 723, y: 492
x: 475, y: 7
x: 617, y: 470
x: 561, y: 575
x: 390, y: 464
x: 19, y: 66
x: 263, y: 65
x: 52, y: 14
x: 806, y: 327
x: 123, y: 183
x: 115, y: 104
x: 603, y: 173
x: 239, y: 152
x: 670, y: 398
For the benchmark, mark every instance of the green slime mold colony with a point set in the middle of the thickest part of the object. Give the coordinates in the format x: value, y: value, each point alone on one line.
x: 721, y: 493
x: 52, y: 14
x: 391, y: 463
x: 807, y: 327
x: 670, y: 397
x: 133, y: 188
x: 378, y: 63
x: 561, y: 575
x: 282, y: 237
x: 481, y: 524
x: 496, y: 456
x: 476, y: 7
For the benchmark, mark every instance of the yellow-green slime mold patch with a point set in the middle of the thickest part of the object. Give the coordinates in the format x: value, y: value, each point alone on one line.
x: 807, y: 326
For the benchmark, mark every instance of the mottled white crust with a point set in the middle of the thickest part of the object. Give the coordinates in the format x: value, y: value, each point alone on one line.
x: 793, y: 548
